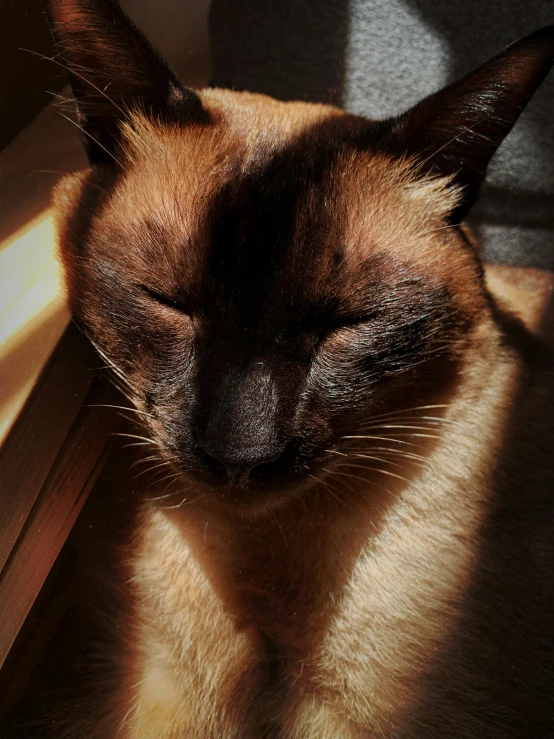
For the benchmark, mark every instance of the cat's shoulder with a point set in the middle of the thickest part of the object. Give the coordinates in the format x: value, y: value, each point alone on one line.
x: 528, y: 294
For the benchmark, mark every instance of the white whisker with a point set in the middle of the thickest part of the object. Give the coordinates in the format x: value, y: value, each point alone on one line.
x: 113, y: 366
x: 121, y: 408
x: 72, y: 70
x: 402, y: 453
x: 134, y: 436
x: 137, y: 443
x: 365, y: 480
x: 409, y: 410
x: 143, y: 460
x: 323, y: 482
x: 164, y: 463
x: 395, y: 426
x: 383, y: 438
x: 378, y: 469
x: 422, y: 436
x: 108, y: 152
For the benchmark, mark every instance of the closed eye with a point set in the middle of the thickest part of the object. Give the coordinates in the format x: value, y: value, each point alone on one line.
x: 341, y: 323
x: 354, y: 321
x: 164, y: 300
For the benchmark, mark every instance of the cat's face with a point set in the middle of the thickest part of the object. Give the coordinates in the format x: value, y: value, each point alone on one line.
x: 262, y: 289
x: 266, y: 276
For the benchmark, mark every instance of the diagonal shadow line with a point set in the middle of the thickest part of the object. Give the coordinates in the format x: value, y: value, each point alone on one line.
x: 502, y: 645
x: 514, y: 207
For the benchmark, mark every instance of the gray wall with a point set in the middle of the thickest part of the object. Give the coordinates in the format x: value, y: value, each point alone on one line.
x: 179, y: 29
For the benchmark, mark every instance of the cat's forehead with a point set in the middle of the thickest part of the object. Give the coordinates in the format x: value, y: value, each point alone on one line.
x: 243, y: 127
x: 269, y: 188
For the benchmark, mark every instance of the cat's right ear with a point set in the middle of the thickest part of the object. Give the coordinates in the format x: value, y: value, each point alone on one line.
x: 456, y: 131
x: 114, y: 71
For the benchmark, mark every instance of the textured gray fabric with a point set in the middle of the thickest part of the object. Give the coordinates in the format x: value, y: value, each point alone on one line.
x: 293, y: 50
x: 379, y: 57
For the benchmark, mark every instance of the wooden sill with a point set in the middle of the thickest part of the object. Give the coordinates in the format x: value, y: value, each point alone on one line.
x: 53, y: 437
x: 33, y: 315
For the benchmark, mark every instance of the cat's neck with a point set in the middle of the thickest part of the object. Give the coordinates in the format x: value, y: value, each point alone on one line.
x: 274, y: 570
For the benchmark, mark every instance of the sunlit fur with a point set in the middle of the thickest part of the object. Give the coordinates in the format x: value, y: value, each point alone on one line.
x: 364, y: 596
x: 307, y: 270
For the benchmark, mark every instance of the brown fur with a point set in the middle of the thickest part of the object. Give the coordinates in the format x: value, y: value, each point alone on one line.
x: 285, y: 276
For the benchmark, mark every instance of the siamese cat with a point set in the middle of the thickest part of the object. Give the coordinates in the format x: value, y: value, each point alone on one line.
x: 354, y: 536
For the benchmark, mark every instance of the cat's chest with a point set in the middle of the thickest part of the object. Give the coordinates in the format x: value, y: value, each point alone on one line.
x: 205, y: 672
x: 209, y: 660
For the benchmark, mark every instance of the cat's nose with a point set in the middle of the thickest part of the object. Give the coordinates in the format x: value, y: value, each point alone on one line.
x: 241, y: 466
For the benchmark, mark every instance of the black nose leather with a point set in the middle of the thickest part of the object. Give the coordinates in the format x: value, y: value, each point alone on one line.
x: 238, y: 427
x: 239, y: 466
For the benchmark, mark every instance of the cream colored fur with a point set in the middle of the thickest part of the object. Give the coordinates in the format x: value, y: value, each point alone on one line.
x: 354, y: 639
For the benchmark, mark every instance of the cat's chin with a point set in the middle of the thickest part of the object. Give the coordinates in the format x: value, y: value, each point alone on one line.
x: 254, y: 501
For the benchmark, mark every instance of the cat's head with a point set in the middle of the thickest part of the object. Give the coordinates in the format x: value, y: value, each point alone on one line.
x: 265, y: 276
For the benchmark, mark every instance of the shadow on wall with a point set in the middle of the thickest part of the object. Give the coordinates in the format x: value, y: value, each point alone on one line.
x: 285, y: 48
x: 179, y: 30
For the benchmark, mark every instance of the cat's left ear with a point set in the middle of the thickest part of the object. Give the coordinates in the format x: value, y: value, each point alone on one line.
x: 458, y: 129
x: 114, y: 71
